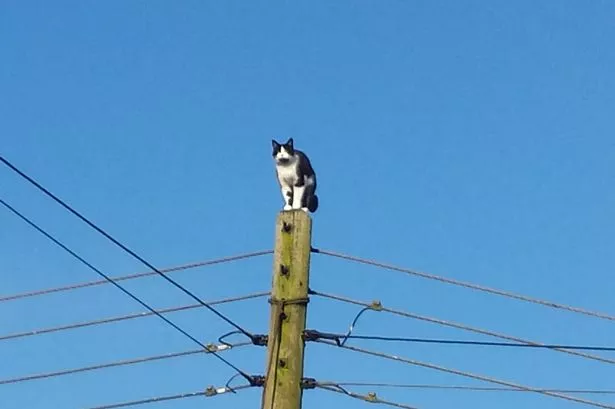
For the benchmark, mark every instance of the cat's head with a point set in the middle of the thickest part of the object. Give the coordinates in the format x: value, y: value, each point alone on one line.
x: 283, y: 153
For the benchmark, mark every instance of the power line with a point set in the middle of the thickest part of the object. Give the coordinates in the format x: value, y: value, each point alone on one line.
x: 106, y: 277
x: 42, y: 331
x: 133, y: 276
x: 377, y: 307
x: 312, y: 334
x: 117, y: 243
x: 209, y: 349
x: 464, y: 387
x: 371, y: 398
x: 469, y: 375
x: 151, y: 400
x: 209, y: 392
x: 469, y: 285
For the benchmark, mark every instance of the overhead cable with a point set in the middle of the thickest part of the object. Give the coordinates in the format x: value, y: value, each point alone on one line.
x: 125, y: 291
x: 376, y: 306
x: 464, y: 387
x: 209, y: 349
x: 371, y: 397
x: 132, y: 276
x: 312, y: 334
x: 477, y: 287
x: 207, y: 393
x: 119, y: 244
x: 101, y: 321
x: 469, y: 375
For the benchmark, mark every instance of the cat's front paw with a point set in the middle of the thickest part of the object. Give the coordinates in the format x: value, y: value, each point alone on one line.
x: 287, y: 207
x: 305, y: 209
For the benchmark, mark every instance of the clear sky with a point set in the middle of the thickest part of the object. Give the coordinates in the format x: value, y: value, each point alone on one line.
x: 469, y: 139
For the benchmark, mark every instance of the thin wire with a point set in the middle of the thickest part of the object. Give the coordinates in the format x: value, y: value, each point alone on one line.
x: 429, y: 276
x: 123, y: 247
x: 366, y: 398
x: 133, y: 276
x: 453, y: 324
x: 470, y: 375
x: 54, y: 374
x: 124, y: 317
x: 337, y: 337
x: 462, y: 387
x: 161, y: 399
x: 134, y: 297
x: 150, y: 400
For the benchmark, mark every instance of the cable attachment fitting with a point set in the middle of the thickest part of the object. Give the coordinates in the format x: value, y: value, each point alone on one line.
x: 315, y: 336
x: 217, y: 348
x: 260, y: 340
x: 371, y: 397
x: 308, y: 383
x: 257, y: 380
x: 310, y: 335
x: 375, y: 305
x: 213, y: 391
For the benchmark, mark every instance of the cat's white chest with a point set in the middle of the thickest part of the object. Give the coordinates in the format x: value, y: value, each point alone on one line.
x: 287, y: 175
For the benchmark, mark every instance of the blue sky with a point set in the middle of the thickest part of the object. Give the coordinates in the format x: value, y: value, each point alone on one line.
x: 469, y: 139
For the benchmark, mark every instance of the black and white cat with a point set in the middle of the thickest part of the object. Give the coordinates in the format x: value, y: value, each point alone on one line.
x: 296, y: 177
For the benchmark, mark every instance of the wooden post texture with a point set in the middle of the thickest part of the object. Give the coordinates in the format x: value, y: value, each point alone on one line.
x: 289, y: 297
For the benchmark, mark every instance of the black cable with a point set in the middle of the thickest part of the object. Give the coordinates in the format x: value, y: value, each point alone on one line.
x: 106, y: 277
x: 117, y: 243
x: 377, y: 306
x: 468, y: 374
x: 338, y: 337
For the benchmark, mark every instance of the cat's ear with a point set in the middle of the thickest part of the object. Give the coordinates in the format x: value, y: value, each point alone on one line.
x: 275, y: 144
x: 289, y: 142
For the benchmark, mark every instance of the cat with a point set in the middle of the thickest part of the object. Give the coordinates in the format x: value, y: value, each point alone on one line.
x: 296, y: 177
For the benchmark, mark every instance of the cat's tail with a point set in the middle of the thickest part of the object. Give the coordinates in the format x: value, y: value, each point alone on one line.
x: 313, y: 203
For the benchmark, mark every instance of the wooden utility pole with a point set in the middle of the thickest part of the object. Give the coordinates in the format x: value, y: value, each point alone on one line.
x: 289, y: 298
